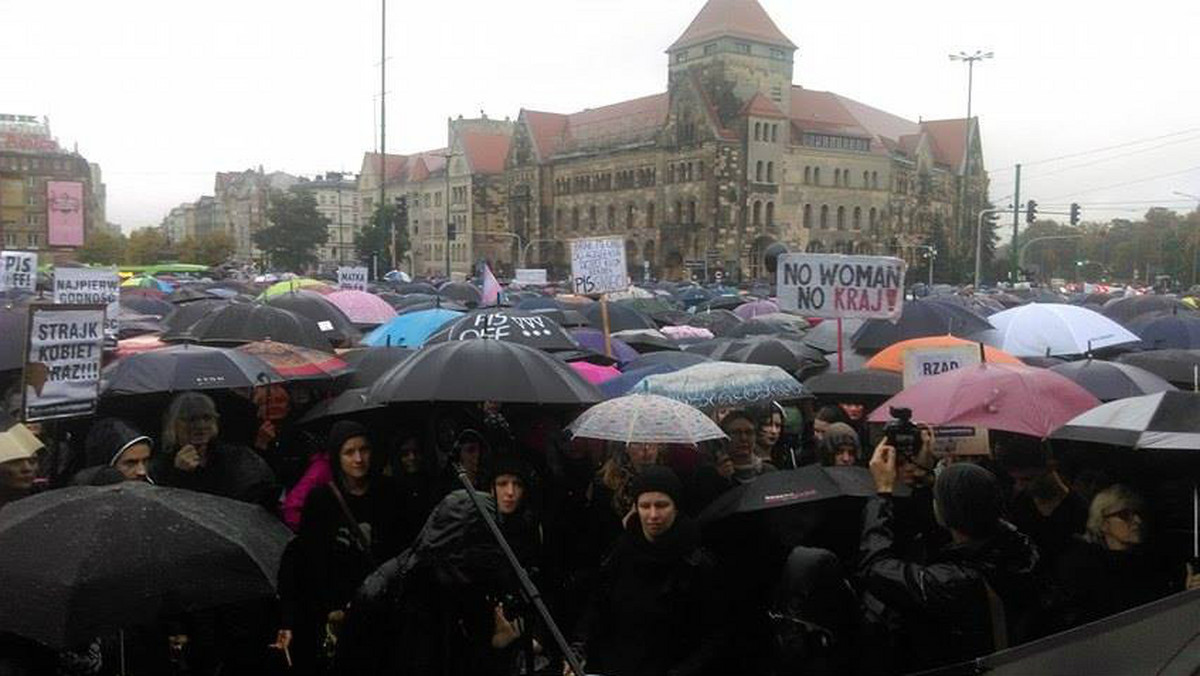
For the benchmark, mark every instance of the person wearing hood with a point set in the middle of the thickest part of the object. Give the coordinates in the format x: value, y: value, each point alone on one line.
x: 194, y: 458
x: 114, y: 443
x: 839, y: 446
x: 348, y: 526
x: 18, y: 459
x: 975, y: 596
x: 658, y: 607
x: 436, y: 609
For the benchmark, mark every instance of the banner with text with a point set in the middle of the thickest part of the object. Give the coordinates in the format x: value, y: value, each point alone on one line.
x: 18, y: 270
x: 836, y: 286
x: 64, y: 213
x: 923, y: 362
x: 90, y: 286
x: 352, y: 278
x: 62, y: 363
x: 598, y: 265
x: 531, y: 276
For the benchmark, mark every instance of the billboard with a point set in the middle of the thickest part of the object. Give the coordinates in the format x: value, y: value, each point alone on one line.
x: 64, y: 213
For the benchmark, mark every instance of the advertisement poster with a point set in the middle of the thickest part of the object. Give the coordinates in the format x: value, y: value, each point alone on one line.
x: 64, y: 213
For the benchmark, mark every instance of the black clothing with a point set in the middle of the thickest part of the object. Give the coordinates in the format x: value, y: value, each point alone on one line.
x: 232, y: 471
x: 417, y: 496
x: 944, y: 605
x: 658, y: 609
x: 1053, y: 534
x: 107, y: 439
x: 1095, y: 582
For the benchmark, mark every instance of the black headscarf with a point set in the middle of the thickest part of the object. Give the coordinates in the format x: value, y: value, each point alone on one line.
x: 969, y: 499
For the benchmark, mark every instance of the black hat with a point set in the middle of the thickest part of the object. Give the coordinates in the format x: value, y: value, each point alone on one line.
x: 659, y: 479
x: 969, y: 499
x: 511, y: 464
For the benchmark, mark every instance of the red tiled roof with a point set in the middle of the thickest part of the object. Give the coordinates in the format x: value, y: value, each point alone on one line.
x: 744, y: 19
x: 624, y: 121
x: 761, y: 106
x: 546, y: 129
x: 826, y: 111
x: 427, y: 163
x: 949, y: 140
x: 486, y: 152
x: 393, y: 165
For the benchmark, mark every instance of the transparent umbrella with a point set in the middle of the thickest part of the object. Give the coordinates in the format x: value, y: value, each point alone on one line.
x: 646, y: 418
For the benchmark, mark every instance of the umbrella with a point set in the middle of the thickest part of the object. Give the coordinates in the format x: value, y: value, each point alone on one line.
x: 435, y: 303
x: 462, y: 292
x: 720, y: 322
x: 725, y: 302
x: 14, y: 321
x: 760, y: 327
x: 416, y: 287
x: 594, y: 373
x: 646, y: 305
x: 483, y: 370
x: 686, y: 334
x: 620, y: 318
x: 178, y: 324
x: 756, y: 309
x: 630, y: 293
x: 517, y: 326
x: 629, y: 379
x: 647, y: 340
x: 823, y: 336
x: 186, y: 367
x: 130, y: 324
x: 864, y: 382
x: 1049, y: 329
x: 147, y: 305
x: 347, y: 403
x: 1164, y: 420
x: 540, y: 303
x: 568, y: 319
x: 239, y: 323
x: 135, y: 292
x: 135, y: 552
x: 1125, y: 310
x: 411, y: 329
x: 296, y: 363
x: 369, y: 363
x: 645, y: 418
x: 139, y: 344
x: 593, y: 339
x: 1174, y: 331
x: 147, y: 282
x: 724, y: 385
x: 791, y: 487
x: 980, y: 305
x: 1178, y: 367
x: 918, y: 319
x: 298, y: 284
x: 186, y: 293
x: 792, y: 356
x: 329, y: 318
x: 1112, y: 380
x: 892, y: 357
x: 363, y: 309
x: 1020, y: 399
x: 677, y: 360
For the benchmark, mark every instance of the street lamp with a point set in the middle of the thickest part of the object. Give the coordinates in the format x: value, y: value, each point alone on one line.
x: 970, y: 60
x: 931, y: 253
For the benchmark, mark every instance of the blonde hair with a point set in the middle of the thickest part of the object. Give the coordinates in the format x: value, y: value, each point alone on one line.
x: 184, y: 405
x: 1112, y: 499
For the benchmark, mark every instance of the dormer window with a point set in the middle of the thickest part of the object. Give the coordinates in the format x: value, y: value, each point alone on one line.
x: 681, y: 56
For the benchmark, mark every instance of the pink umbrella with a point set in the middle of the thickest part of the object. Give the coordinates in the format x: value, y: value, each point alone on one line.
x: 758, y: 307
x: 139, y: 344
x: 686, y: 332
x: 362, y: 307
x: 1020, y: 399
x: 593, y: 373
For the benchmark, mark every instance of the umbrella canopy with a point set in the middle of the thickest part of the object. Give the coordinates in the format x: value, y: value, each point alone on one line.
x: 629, y: 379
x: 983, y: 306
x: 774, y: 490
x: 864, y: 382
x: 647, y: 305
x: 1178, y: 367
x: 647, y: 340
x: 645, y: 418
x: 187, y: 293
x: 178, y: 324
x: 410, y: 330
x: 629, y: 293
x: 792, y: 356
x: 620, y: 318
x: 147, y: 282
x: 238, y: 323
x: 918, y: 319
x: 139, y: 344
x: 1174, y: 331
x: 1164, y: 421
x: 363, y: 309
x: 298, y: 284
x: 1125, y: 310
x: 186, y: 367
x: 568, y: 319
x: 483, y: 370
x: 677, y: 360
x: 328, y: 317
x: 719, y: 321
x: 823, y: 336
x: 593, y: 339
x: 1049, y: 329
x: 147, y: 305
x: 757, y: 327
x: 416, y: 287
x: 533, y: 329
x: 130, y: 324
x: 892, y: 357
x: 756, y: 309
x: 1020, y: 399
x: 467, y: 294
x: 724, y: 385
x: 595, y: 374
x: 347, y: 403
x: 135, y: 552
x: 685, y: 334
x: 1109, y: 381
x: 369, y: 363
x: 296, y: 363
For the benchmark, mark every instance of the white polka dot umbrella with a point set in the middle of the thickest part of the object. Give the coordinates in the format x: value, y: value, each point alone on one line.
x: 645, y: 418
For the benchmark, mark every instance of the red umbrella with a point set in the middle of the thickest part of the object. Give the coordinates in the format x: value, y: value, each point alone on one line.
x: 1020, y: 399
x: 139, y: 344
x: 294, y: 362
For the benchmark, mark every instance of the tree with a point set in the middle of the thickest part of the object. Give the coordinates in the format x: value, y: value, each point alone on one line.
x: 102, y: 247
x: 297, y: 229
x: 376, y: 238
x: 146, y: 246
x: 212, y: 249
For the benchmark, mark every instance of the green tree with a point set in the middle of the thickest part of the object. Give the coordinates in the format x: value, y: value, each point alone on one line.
x: 297, y: 229
x: 212, y: 248
x: 146, y: 246
x: 102, y: 247
x: 376, y: 238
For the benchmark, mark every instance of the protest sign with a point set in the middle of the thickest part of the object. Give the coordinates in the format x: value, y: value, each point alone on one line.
x: 90, y: 286
x: 502, y: 326
x: 839, y: 287
x: 961, y: 441
x: 923, y: 362
x: 598, y: 265
x: 352, y: 278
x: 18, y: 270
x: 531, y: 276
x: 62, y: 360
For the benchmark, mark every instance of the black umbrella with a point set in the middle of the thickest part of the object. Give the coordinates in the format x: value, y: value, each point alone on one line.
x: 645, y: 340
x: 186, y: 367
x: 14, y: 322
x: 1109, y: 381
x: 719, y: 322
x: 328, y: 318
x: 676, y: 360
x: 118, y: 556
x: 980, y: 305
x: 431, y: 304
x: 620, y: 318
x: 792, y: 356
x: 130, y: 324
x: 350, y: 402
x: 178, y: 324
x: 540, y: 303
x: 1125, y: 310
x: 864, y: 382
x: 187, y: 293
x: 463, y: 292
x: 1164, y: 421
x: 416, y: 287
x: 824, y: 335
x: 369, y: 363
x: 515, y: 326
x: 919, y: 319
x: 757, y: 327
x: 484, y: 370
x: 791, y: 487
x: 724, y: 302
x: 247, y: 322
x: 568, y: 319
x: 1178, y: 367
x: 146, y: 305
x: 1176, y: 331
x: 1042, y: 362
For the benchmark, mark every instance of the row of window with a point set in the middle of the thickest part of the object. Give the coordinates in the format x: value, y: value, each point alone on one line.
x: 855, y: 223
x: 769, y: 175
x: 630, y: 215
x: 458, y: 195
x: 31, y: 239
x: 861, y: 145
x: 764, y: 131
x: 14, y: 163
x: 738, y: 48
x: 643, y: 177
x: 841, y: 178
x: 757, y: 211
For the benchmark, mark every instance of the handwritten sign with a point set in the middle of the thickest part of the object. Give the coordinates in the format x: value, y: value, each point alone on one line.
x: 18, y: 270
x: 531, y: 276
x: 90, y: 286
x: 501, y: 326
x: 598, y: 265
x: 924, y: 362
x: 62, y: 364
x: 835, y: 286
x: 352, y: 278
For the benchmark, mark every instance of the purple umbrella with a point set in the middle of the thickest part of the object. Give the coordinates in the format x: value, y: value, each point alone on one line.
x: 758, y: 307
x: 593, y: 339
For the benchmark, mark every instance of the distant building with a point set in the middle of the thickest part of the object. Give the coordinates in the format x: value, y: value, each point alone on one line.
x: 337, y: 200
x: 244, y: 197
x: 30, y: 161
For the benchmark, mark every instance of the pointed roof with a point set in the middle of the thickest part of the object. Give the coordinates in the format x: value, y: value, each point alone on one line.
x: 486, y: 152
x: 829, y: 112
x: 761, y: 106
x: 744, y: 19
x: 949, y: 140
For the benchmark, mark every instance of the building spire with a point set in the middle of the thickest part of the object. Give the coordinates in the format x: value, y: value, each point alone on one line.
x: 745, y: 19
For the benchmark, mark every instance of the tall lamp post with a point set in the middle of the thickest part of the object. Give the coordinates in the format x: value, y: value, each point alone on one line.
x: 970, y: 60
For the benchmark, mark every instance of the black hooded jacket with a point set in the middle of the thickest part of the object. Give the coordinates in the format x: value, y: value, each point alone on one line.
x: 233, y: 471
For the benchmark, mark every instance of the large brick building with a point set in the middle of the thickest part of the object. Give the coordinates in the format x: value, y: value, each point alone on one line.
x: 731, y: 158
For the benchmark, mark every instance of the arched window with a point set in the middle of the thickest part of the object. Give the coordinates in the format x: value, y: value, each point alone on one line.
x: 679, y: 212
x: 612, y: 217
x: 558, y: 218
x: 871, y: 220
x: 770, y: 172
x: 816, y: 176
x: 757, y: 218
x: 875, y: 180
x: 629, y: 212
x: 857, y: 222
x: 841, y: 218
x: 824, y: 216
x: 807, y: 175
x: 866, y: 179
x: 757, y: 130
x: 670, y: 173
x: 770, y: 213
x: 808, y: 216
x: 774, y: 133
x: 837, y: 177
x: 692, y: 211
x: 575, y: 217
x: 758, y: 171
x: 591, y: 217
x: 650, y: 215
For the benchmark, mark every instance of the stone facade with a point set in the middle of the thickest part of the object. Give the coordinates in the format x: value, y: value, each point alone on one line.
x: 337, y: 200
x: 244, y: 197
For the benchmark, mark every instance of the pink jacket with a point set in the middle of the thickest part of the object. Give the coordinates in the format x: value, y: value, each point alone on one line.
x: 318, y: 473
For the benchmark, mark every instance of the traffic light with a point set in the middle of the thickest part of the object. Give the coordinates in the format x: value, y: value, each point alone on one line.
x: 1031, y: 211
x: 1074, y: 213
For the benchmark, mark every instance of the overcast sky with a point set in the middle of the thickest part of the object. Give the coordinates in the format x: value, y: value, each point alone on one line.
x: 164, y: 94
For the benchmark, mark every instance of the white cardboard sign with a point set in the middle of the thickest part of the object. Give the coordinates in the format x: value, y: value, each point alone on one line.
x: 836, y: 286
x: 352, y: 278
x: 90, y: 286
x: 923, y: 362
x: 531, y: 276
x: 598, y: 265
x: 18, y: 270
x: 62, y: 364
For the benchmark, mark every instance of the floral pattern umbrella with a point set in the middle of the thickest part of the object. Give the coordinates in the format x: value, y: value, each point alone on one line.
x: 645, y: 418
x: 362, y: 308
x: 725, y: 385
x: 294, y: 362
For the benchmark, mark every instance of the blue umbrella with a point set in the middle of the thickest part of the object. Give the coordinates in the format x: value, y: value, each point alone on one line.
x: 725, y: 385
x: 410, y: 330
x: 628, y: 380
x: 676, y: 360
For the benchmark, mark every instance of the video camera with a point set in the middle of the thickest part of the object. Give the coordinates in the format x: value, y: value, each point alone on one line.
x: 902, y: 434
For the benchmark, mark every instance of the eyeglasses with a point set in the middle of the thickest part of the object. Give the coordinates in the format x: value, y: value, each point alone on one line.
x: 201, y: 418
x: 1125, y: 515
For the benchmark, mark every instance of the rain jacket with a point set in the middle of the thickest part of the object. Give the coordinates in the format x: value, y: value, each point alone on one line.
x: 232, y: 471
x: 429, y: 610
x: 318, y: 473
x: 945, y: 609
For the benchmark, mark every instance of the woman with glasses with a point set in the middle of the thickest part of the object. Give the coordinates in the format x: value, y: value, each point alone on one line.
x: 742, y: 431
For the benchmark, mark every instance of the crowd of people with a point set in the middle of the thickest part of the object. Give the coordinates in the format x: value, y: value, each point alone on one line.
x: 393, y: 570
